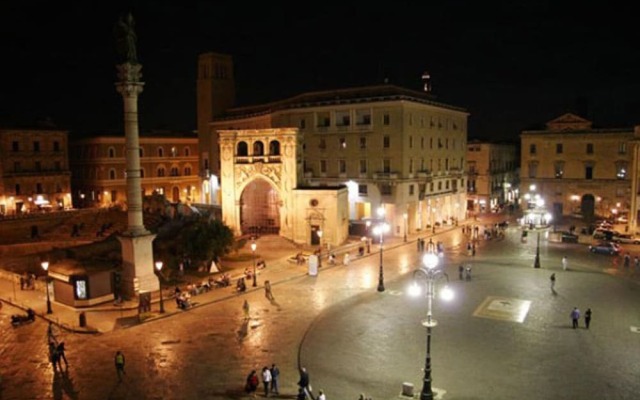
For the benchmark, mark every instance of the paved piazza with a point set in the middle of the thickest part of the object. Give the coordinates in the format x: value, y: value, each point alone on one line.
x: 504, y: 336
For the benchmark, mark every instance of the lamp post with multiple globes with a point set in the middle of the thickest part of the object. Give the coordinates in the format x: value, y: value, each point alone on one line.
x: 159, y: 268
x: 430, y: 274
x: 536, y: 218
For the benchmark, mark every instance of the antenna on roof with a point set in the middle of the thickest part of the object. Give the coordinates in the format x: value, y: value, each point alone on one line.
x: 426, y: 80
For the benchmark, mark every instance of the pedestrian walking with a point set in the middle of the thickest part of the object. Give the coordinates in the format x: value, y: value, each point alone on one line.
x: 302, y: 394
x: 304, y: 382
x: 267, y: 290
x: 119, y: 362
x: 251, y: 384
x: 61, y: 356
x: 275, y: 376
x: 575, y: 316
x: 245, y: 309
x: 627, y: 260
x: 51, y: 337
x: 266, y: 380
x: 552, y: 278
x: 565, y: 263
x: 636, y: 262
x: 461, y: 272
x: 53, y: 355
x: 468, y: 273
x: 587, y: 318
x: 345, y: 260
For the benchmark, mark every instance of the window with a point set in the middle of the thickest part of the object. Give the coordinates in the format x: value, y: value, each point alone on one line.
x: 56, y: 146
x: 363, y: 190
x: 385, y: 190
x: 242, y: 149
x: 324, y: 120
x: 342, y: 165
x: 39, y: 188
x: 589, y: 148
x: 559, y: 169
x: 303, y: 124
x: 533, y: 169
x: 386, y: 166
x: 363, y: 142
x: 411, y: 189
x: 258, y: 148
x: 588, y: 172
x: 160, y: 152
x: 386, y: 142
x: 36, y: 146
x: 142, y: 173
x: 141, y: 152
x: 422, y: 142
x: 532, y: 149
x: 446, y: 184
x: 274, y: 148
x: 323, y: 166
x: 363, y: 166
x: 559, y: 148
x: 411, y: 166
x: 15, y: 146
x: 343, y: 118
x: 174, y: 151
x: 322, y: 145
x: 112, y: 152
x: 160, y: 172
x: 411, y: 142
x: 363, y: 117
x: 386, y: 119
x: 38, y: 166
x: 112, y: 174
x: 440, y: 186
x: 622, y: 148
x: 174, y: 171
x: 187, y: 152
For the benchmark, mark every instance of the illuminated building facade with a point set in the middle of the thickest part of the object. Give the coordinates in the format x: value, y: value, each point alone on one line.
x: 168, y: 161
x: 34, y: 171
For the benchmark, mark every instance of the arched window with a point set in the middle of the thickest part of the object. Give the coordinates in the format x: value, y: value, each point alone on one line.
x: 274, y: 148
x: 141, y: 152
x: 112, y: 174
x: 174, y: 171
x: 112, y: 152
x: 160, y: 152
x: 187, y: 152
x: 174, y: 151
x: 242, y: 150
x: 187, y: 171
x: 161, y: 172
x: 141, y: 172
x: 258, y: 148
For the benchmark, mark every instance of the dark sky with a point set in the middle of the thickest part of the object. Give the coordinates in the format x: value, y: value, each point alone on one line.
x: 513, y: 65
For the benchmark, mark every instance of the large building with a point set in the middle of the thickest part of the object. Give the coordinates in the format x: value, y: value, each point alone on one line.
x: 580, y: 170
x: 492, y: 175
x: 34, y: 171
x: 392, y: 147
x: 168, y: 161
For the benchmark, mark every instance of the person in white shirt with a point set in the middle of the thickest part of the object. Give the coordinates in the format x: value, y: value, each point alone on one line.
x: 321, y: 395
x: 266, y: 380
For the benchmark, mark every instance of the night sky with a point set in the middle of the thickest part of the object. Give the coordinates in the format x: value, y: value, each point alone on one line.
x: 513, y: 65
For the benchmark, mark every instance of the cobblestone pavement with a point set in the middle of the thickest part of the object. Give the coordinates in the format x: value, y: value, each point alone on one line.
x: 354, y: 339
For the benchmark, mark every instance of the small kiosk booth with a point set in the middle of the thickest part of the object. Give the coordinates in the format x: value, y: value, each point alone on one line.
x: 78, y: 286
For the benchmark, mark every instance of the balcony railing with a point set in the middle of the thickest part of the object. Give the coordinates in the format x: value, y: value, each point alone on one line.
x: 386, y: 175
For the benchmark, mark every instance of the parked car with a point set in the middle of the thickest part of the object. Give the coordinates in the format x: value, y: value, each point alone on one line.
x: 568, y: 237
x: 605, y: 248
x: 606, y: 234
x: 626, y: 238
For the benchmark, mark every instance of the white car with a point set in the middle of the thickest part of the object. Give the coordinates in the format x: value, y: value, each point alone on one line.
x: 626, y: 238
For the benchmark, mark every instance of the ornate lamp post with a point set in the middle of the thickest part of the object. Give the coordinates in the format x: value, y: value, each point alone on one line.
x: 430, y: 274
x: 45, y: 267
x: 253, y: 250
x: 380, y: 229
x: 159, y: 268
x: 536, y: 218
x: 319, y: 233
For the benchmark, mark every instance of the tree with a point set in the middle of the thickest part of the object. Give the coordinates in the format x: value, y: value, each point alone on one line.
x: 205, y: 240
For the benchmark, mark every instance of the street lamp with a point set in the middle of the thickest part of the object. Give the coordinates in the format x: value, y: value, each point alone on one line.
x: 159, y: 268
x: 430, y: 273
x: 253, y: 250
x: 536, y: 219
x: 319, y: 233
x: 45, y: 267
x: 406, y: 217
x: 380, y: 229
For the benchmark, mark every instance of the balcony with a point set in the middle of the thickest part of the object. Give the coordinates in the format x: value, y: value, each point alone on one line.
x: 386, y: 175
x: 424, y: 174
x: 254, y: 159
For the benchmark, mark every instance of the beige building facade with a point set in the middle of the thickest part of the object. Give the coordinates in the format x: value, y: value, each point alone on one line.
x: 493, y: 175
x: 168, y: 162
x: 392, y: 147
x: 579, y: 170
x: 34, y: 171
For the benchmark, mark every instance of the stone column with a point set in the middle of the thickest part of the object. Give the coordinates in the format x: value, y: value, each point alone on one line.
x: 137, y: 242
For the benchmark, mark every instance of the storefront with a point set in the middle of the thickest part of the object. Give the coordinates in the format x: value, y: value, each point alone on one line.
x: 77, y: 286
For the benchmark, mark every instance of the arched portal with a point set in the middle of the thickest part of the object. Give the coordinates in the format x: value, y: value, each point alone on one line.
x: 260, y: 208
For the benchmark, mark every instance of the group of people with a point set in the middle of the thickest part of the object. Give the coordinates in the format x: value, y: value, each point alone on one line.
x: 27, y: 281
x: 56, y: 351
x: 270, y: 378
x: 575, y: 317
x: 183, y: 298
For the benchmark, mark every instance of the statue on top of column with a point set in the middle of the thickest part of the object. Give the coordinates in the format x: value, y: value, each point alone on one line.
x: 126, y: 39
